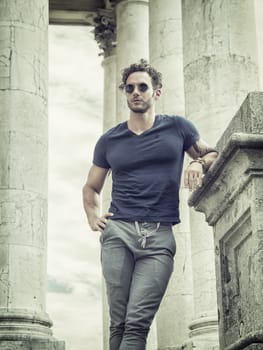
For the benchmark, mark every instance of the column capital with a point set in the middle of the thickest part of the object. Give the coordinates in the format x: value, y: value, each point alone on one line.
x: 105, y: 31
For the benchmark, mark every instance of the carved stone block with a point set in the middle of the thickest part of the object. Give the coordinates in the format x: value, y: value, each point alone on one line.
x: 232, y: 200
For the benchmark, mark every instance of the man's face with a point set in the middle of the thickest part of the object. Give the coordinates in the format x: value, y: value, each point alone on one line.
x: 139, y: 92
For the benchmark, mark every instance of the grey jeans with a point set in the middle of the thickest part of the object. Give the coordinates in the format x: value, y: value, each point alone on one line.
x: 137, y: 262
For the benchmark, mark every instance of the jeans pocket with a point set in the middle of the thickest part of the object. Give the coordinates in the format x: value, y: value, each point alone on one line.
x: 104, y: 233
x: 173, y: 244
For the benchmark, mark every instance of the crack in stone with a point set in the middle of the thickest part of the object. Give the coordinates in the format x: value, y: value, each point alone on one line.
x: 42, y: 16
x: 6, y: 284
x: 28, y: 92
x: 5, y: 59
x: 35, y: 68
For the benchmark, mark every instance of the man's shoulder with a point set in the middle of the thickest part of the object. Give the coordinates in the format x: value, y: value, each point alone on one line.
x: 175, y: 119
x: 115, y: 130
x: 170, y: 119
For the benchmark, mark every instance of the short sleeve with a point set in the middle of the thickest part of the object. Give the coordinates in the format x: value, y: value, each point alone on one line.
x: 99, y: 156
x: 189, y: 132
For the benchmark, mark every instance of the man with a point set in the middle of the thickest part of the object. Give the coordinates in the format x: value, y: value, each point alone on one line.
x: 145, y: 155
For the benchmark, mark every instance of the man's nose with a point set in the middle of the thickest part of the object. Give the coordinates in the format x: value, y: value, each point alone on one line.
x: 136, y: 90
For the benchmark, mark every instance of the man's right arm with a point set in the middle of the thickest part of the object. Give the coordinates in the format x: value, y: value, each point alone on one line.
x: 91, y: 192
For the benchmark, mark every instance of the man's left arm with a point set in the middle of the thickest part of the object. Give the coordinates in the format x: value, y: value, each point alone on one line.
x: 203, y: 157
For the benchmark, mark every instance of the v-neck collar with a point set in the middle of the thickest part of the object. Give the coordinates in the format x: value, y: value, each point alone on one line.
x: 144, y: 132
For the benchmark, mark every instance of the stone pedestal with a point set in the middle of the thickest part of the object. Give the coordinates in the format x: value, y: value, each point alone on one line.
x: 24, y: 322
x: 232, y: 200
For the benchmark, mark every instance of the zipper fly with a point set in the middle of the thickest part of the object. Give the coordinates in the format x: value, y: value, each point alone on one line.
x: 143, y: 232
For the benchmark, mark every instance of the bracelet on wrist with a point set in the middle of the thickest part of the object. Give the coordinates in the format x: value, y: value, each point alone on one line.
x: 200, y: 161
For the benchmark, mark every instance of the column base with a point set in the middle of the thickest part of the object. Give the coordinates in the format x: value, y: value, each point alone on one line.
x: 21, y: 324
x: 22, y: 329
x: 34, y: 344
x: 193, y: 345
x: 201, y: 344
x: 203, y: 334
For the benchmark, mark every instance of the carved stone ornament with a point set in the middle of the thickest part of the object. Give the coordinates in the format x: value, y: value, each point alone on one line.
x: 105, y: 31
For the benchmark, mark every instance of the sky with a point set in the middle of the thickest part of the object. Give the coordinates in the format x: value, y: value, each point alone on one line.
x: 75, y: 122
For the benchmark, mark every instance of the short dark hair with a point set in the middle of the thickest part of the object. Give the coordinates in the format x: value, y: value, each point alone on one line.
x: 142, y: 66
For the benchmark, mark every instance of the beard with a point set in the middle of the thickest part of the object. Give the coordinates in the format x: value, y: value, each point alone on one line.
x: 142, y: 108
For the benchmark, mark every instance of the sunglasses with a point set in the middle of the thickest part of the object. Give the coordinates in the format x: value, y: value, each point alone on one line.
x: 129, y: 88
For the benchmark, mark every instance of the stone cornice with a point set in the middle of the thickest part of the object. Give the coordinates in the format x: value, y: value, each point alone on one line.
x: 239, y: 160
x: 79, y: 12
x: 67, y: 17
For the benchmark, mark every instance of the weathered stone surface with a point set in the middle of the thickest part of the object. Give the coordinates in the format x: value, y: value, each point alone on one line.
x: 233, y: 204
x: 248, y: 119
x: 33, y: 14
x: 32, y: 345
x: 220, y: 67
x: 29, y: 59
x: 220, y: 61
x: 252, y: 341
x: 226, y: 185
x: 24, y: 323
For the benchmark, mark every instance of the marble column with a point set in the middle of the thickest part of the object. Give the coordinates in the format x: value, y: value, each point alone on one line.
x: 220, y: 61
x: 220, y: 67
x: 166, y: 55
x: 132, y: 44
x: 24, y: 323
x: 109, y: 120
x: 132, y: 20
x: 105, y: 34
x: 166, y: 52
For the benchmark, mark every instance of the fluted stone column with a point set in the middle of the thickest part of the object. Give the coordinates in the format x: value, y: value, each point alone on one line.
x: 166, y: 54
x: 132, y: 20
x: 109, y: 106
x: 109, y: 120
x: 105, y: 34
x: 220, y: 68
x: 24, y: 323
x: 220, y: 61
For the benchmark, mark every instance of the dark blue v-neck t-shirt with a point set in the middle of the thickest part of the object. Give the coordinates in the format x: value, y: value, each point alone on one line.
x: 146, y: 168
